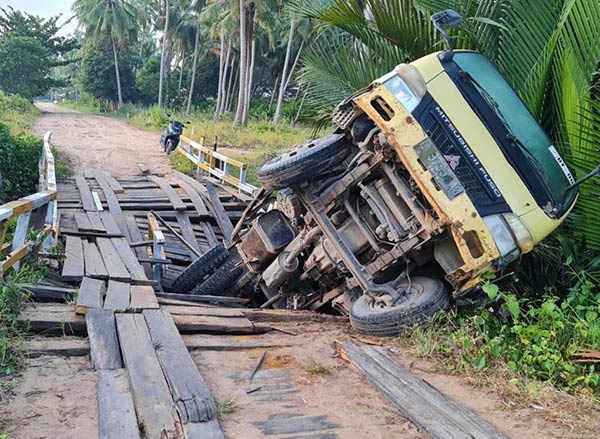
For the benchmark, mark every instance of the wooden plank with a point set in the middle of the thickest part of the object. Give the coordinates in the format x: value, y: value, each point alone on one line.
x: 185, y: 226
x: 153, y: 402
x: 56, y: 346
x: 203, y: 311
x: 173, y: 196
x: 217, y: 325
x: 73, y: 266
x: 129, y: 259
x: 49, y: 293
x: 117, y: 296
x: 82, y: 221
x: 102, y: 333
x: 142, y: 297
x: 219, y: 211
x: 217, y: 300
x: 109, y: 224
x: 112, y: 261
x: 113, y: 204
x: 428, y: 408
x: 113, y: 183
x: 97, y: 201
x: 200, y: 342
x: 96, y: 222
x: 85, y: 194
x: 200, y: 207
x: 191, y: 395
x: 91, y: 295
x: 94, y: 265
x: 116, y: 412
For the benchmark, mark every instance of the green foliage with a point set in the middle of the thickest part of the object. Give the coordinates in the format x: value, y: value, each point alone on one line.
x: 98, y: 75
x: 533, y: 338
x: 16, y: 112
x: 13, y: 296
x: 19, y: 165
x: 147, y: 81
x: 25, y: 66
x: 62, y: 167
x: 182, y: 163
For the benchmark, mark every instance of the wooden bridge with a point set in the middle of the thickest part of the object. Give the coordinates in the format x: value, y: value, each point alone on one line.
x: 120, y: 244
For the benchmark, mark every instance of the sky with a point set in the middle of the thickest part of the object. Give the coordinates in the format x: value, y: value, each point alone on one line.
x: 45, y: 8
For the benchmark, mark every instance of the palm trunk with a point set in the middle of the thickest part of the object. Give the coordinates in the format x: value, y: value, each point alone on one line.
x: 273, y: 93
x: 284, y: 74
x: 250, y: 79
x: 289, y: 77
x: 120, y: 96
x: 243, y: 66
x: 181, y: 72
x: 195, y: 61
x: 232, y: 80
x: 226, y: 71
x: 235, y: 82
x: 163, y: 55
x: 293, y: 124
x: 221, y: 72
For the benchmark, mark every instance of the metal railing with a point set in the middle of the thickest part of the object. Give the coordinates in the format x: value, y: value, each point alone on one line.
x: 218, y: 165
x: 36, y: 212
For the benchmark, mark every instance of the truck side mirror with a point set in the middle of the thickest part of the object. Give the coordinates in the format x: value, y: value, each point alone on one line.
x: 443, y: 21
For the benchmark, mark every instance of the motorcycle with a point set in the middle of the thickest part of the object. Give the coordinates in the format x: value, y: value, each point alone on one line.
x: 170, y: 138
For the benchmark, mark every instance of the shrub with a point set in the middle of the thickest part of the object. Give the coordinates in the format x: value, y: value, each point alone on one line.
x: 19, y: 171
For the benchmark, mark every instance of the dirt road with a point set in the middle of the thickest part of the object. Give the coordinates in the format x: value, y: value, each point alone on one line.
x: 100, y: 142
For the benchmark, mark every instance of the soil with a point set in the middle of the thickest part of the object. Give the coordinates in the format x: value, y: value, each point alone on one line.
x: 56, y: 397
x: 100, y: 142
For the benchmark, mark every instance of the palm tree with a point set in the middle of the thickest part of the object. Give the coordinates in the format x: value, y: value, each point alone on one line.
x: 548, y: 51
x: 113, y: 21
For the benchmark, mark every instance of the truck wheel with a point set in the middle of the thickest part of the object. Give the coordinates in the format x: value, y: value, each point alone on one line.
x: 222, y: 280
x: 200, y: 269
x: 304, y: 162
x: 425, y: 297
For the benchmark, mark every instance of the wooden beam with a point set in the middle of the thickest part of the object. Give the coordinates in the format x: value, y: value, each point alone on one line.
x: 173, y: 196
x: 96, y: 222
x: 190, y: 393
x: 428, y: 408
x: 153, y: 402
x: 129, y: 259
x: 56, y: 346
x: 217, y: 325
x: 91, y: 295
x: 116, y: 412
x: 219, y: 211
x: 112, y: 261
x: 142, y: 297
x: 109, y: 224
x: 102, y: 333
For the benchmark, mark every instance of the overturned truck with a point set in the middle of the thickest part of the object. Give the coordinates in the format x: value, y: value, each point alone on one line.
x: 436, y: 175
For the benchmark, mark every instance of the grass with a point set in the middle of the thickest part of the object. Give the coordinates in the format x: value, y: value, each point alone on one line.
x: 181, y: 163
x: 318, y: 369
x: 63, y: 168
x: 226, y: 406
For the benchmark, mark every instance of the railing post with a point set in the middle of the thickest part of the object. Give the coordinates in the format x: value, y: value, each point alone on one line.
x: 20, y: 235
x: 158, y: 246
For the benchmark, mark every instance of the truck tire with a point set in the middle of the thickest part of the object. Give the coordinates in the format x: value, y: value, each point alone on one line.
x: 200, y: 269
x: 221, y: 281
x: 426, y: 297
x: 304, y: 162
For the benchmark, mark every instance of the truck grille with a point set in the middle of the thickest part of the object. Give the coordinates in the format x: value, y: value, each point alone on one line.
x: 478, y: 191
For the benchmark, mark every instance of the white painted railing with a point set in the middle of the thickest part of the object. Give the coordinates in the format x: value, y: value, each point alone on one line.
x: 216, y: 164
x: 35, y: 212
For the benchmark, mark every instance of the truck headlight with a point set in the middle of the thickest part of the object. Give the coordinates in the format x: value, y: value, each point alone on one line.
x: 510, y: 235
x: 401, y: 91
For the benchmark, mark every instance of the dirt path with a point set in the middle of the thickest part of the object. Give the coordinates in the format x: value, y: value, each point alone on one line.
x: 100, y: 142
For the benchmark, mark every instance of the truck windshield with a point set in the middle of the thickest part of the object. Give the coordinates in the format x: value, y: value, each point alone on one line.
x: 522, y: 125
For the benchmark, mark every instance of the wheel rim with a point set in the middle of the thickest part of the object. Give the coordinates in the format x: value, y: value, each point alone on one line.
x: 415, y: 290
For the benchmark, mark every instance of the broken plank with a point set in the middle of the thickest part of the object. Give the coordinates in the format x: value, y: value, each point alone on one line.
x: 96, y: 222
x: 113, y: 183
x: 173, y: 196
x: 153, y: 402
x: 427, y: 407
x: 116, y: 412
x: 117, y: 296
x: 219, y: 211
x: 191, y: 395
x: 129, y: 259
x: 217, y: 300
x: 114, y: 265
x: 82, y: 221
x: 85, y: 194
x: 91, y: 295
x: 142, y: 297
x: 187, y: 232
x: 217, y: 325
x: 94, y: 265
x: 110, y: 226
x: 73, y: 267
x: 48, y: 293
x: 102, y: 333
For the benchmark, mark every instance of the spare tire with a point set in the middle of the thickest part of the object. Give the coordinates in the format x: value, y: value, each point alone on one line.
x: 200, y: 269
x: 304, y: 162
x: 424, y: 298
